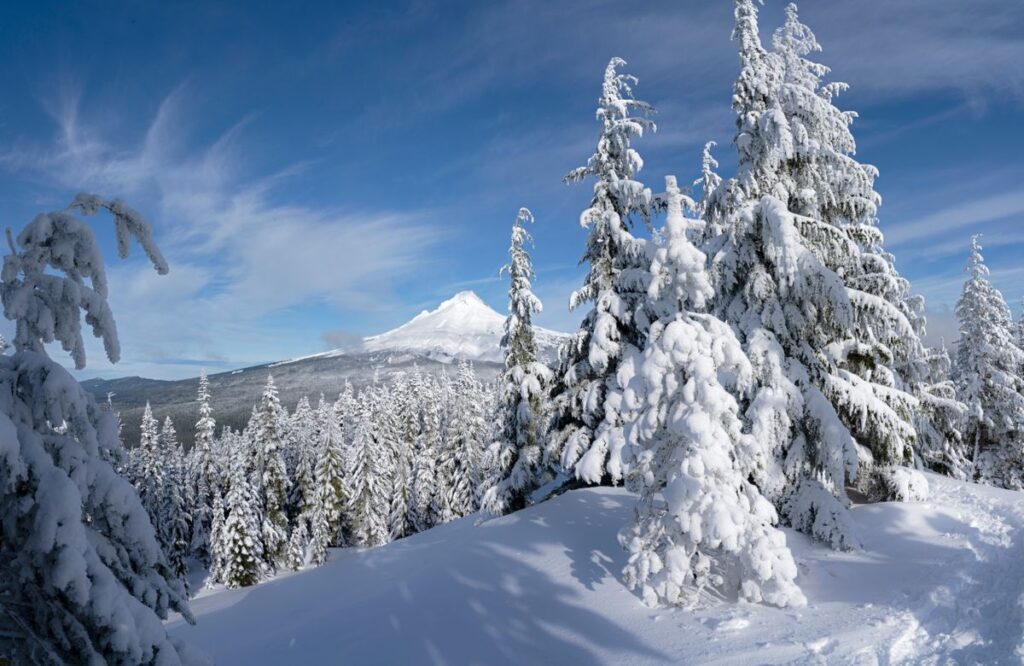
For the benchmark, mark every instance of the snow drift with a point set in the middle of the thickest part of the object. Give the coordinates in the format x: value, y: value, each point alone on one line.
x: 937, y: 582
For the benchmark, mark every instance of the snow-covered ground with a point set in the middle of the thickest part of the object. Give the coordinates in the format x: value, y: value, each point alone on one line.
x: 937, y: 582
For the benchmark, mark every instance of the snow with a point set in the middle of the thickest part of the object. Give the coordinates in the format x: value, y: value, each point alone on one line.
x: 936, y: 582
x: 462, y: 327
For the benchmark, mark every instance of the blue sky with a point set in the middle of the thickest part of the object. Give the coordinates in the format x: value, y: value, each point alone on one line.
x: 319, y: 171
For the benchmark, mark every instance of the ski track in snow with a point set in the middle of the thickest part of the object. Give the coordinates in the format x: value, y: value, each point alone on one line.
x: 938, y: 582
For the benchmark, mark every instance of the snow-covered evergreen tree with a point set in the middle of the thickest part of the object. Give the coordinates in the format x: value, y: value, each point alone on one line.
x: 801, y: 277
x: 587, y: 435
x: 700, y: 521
x: 216, y: 539
x: 368, y: 499
x: 425, y: 488
x: 458, y: 464
x: 173, y: 523
x: 239, y: 546
x: 987, y: 367
x: 204, y: 475
x: 82, y: 575
x: 269, y: 437
x: 516, y: 454
x: 304, y: 442
x: 148, y: 466
x: 329, y: 500
x: 939, y: 420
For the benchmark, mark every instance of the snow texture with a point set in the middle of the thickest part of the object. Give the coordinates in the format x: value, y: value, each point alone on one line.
x: 937, y: 582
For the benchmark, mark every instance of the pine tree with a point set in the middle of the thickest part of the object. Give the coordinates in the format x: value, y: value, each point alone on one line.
x: 939, y: 420
x: 82, y: 576
x: 368, y: 498
x: 327, y: 510
x: 802, y: 278
x: 269, y: 437
x: 217, y: 560
x: 988, y: 379
x: 204, y: 474
x: 304, y: 438
x: 516, y: 454
x: 458, y: 464
x: 173, y: 527
x: 587, y: 437
x: 699, y: 520
x: 148, y: 465
x: 239, y: 546
x: 424, y: 476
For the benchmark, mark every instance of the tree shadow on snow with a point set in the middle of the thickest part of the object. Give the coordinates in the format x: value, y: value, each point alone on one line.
x: 458, y: 594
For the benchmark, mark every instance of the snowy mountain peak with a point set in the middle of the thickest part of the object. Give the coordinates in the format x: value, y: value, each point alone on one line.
x: 461, y: 327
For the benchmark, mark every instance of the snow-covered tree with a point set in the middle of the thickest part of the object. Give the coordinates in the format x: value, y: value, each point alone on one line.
x: 424, y: 475
x: 204, y: 475
x: 801, y: 277
x: 269, y: 437
x: 368, y: 499
x: 326, y: 511
x: 988, y: 380
x: 304, y: 439
x: 458, y: 463
x: 516, y: 454
x: 82, y: 575
x: 700, y: 521
x: 173, y: 522
x: 587, y: 431
x: 148, y: 466
x: 939, y: 420
x: 216, y: 539
x: 239, y: 545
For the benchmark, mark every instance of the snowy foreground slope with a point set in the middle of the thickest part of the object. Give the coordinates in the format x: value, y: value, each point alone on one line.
x: 937, y: 582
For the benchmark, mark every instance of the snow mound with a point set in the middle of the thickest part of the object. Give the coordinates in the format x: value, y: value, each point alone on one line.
x: 937, y: 582
x: 461, y: 327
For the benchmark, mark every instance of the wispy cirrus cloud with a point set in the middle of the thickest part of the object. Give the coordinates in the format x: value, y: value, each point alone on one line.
x: 238, y: 255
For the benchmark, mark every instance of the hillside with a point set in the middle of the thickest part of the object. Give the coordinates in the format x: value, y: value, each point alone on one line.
x: 937, y: 582
x: 461, y: 328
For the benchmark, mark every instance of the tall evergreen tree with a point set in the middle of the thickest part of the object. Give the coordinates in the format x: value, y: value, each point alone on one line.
x: 271, y: 479
x: 587, y: 436
x: 368, y: 503
x: 82, y: 575
x: 988, y: 378
x: 801, y: 277
x: 173, y: 523
x: 204, y: 474
x: 699, y: 521
x: 330, y: 497
x: 239, y: 546
x: 424, y: 477
x: 458, y: 463
x: 516, y: 453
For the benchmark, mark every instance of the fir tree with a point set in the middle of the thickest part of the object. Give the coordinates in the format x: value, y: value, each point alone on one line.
x: 82, y: 575
x: 699, y: 520
x: 988, y: 379
x: 458, y: 464
x: 516, y: 454
x: 327, y: 510
x: 424, y: 477
x: 204, y: 474
x: 269, y: 436
x: 801, y: 276
x: 239, y: 546
x: 368, y: 499
x: 587, y: 437
x: 173, y: 527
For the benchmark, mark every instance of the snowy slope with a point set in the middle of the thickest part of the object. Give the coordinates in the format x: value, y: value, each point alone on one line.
x: 938, y: 582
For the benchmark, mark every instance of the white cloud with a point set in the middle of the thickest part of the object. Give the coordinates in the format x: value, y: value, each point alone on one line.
x: 237, y: 256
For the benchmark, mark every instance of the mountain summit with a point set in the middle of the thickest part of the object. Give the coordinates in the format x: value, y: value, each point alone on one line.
x: 462, y: 327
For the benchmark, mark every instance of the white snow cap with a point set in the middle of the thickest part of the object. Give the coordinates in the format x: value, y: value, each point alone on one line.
x: 461, y: 327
